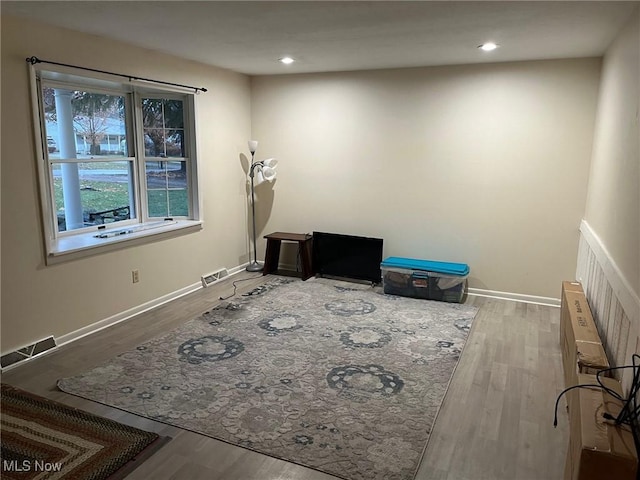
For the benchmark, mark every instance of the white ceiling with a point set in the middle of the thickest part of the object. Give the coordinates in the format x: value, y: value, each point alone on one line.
x: 249, y: 37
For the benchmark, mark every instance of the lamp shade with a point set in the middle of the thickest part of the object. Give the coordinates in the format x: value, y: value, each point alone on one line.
x: 253, y: 146
x: 268, y: 173
x: 259, y: 177
x: 270, y: 162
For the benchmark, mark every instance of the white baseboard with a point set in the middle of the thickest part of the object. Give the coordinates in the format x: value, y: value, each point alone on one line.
x: 515, y: 297
x: 478, y: 292
x: 122, y: 316
x: 238, y: 269
x: 112, y: 320
x: 127, y: 314
x: 132, y: 312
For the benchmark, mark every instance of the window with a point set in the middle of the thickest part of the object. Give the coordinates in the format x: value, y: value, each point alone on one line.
x: 116, y: 159
x: 166, y: 165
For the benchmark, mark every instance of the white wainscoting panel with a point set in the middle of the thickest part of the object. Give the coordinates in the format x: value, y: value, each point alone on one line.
x: 614, y: 304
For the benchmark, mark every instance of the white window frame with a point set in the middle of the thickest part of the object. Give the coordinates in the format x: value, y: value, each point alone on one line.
x: 92, y: 240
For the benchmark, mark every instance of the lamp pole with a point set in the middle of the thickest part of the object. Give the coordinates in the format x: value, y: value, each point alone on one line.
x: 253, y: 266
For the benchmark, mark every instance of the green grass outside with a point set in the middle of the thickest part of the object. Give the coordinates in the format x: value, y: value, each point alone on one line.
x: 99, y: 196
x: 122, y: 166
x: 178, y: 203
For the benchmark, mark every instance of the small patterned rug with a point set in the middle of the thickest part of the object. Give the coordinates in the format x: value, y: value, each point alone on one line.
x: 43, y: 439
x: 332, y: 375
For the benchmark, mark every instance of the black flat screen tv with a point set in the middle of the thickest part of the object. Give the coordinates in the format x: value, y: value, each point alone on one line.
x: 347, y: 256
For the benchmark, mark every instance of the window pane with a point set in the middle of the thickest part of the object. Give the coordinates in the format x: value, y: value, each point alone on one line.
x: 154, y: 142
x: 167, y: 188
x: 163, y: 122
x: 152, y: 116
x: 92, y: 193
x: 168, y: 203
x: 163, y: 143
x: 174, y: 144
x: 81, y: 124
x: 173, y: 112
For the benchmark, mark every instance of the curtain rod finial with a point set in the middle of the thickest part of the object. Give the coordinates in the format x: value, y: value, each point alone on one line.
x: 33, y: 60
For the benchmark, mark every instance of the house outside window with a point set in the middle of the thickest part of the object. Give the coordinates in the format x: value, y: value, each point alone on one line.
x: 116, y: 158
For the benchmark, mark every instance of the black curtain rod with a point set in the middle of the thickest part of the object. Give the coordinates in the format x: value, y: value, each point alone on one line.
x: 33, y: 60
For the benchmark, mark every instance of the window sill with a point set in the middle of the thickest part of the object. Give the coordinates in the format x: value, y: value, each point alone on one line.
x: 87, y: 244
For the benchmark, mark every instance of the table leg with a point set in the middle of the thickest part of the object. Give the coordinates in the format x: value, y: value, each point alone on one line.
x: 272, y: 256
x: 307, y: 259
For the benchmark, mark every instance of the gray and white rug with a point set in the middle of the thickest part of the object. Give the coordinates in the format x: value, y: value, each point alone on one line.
x: 332, y: 375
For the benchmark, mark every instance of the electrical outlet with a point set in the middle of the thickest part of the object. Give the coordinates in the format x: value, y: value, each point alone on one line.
x: 135, y: 276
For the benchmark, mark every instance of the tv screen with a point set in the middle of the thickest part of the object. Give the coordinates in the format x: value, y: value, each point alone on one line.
x: 347, y: 256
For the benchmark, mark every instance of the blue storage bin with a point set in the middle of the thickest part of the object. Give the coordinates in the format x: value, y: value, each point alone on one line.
x: 431, y: 280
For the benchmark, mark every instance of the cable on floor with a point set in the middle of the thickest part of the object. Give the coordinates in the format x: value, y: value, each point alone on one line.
x: 235, y: 286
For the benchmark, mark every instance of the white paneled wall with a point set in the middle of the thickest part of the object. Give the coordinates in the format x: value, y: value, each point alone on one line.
x: 615, y: 306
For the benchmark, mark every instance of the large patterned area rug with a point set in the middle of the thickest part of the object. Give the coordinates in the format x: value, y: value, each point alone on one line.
x: 43, y: 439
x: 332, y: 375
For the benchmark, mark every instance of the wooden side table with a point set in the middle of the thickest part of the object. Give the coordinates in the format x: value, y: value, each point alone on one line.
x: 272, y: 256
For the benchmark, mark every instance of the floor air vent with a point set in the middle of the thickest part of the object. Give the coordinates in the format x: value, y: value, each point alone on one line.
x: 26, y: 353
x: 214, y: 276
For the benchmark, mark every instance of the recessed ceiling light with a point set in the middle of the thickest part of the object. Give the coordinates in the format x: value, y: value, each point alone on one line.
x: 286, y: 60
x: 487, y: 47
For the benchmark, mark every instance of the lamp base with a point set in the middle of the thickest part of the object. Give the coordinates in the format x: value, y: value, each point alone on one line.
x: 254, y: 267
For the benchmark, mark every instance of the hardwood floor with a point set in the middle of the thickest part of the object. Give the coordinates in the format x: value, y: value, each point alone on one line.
x: 495, y: 422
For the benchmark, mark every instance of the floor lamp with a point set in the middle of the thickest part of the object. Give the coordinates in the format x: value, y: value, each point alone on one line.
x: 265, y: 170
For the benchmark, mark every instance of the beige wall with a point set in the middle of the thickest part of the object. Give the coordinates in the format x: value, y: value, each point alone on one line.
x: 40, y: 300
x: 610, y: 260
x: 613, y: 200
x: 483, y: 164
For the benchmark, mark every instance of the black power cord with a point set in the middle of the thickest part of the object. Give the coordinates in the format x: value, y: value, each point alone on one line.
x: 630, y: 412
x: 235, y: 287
